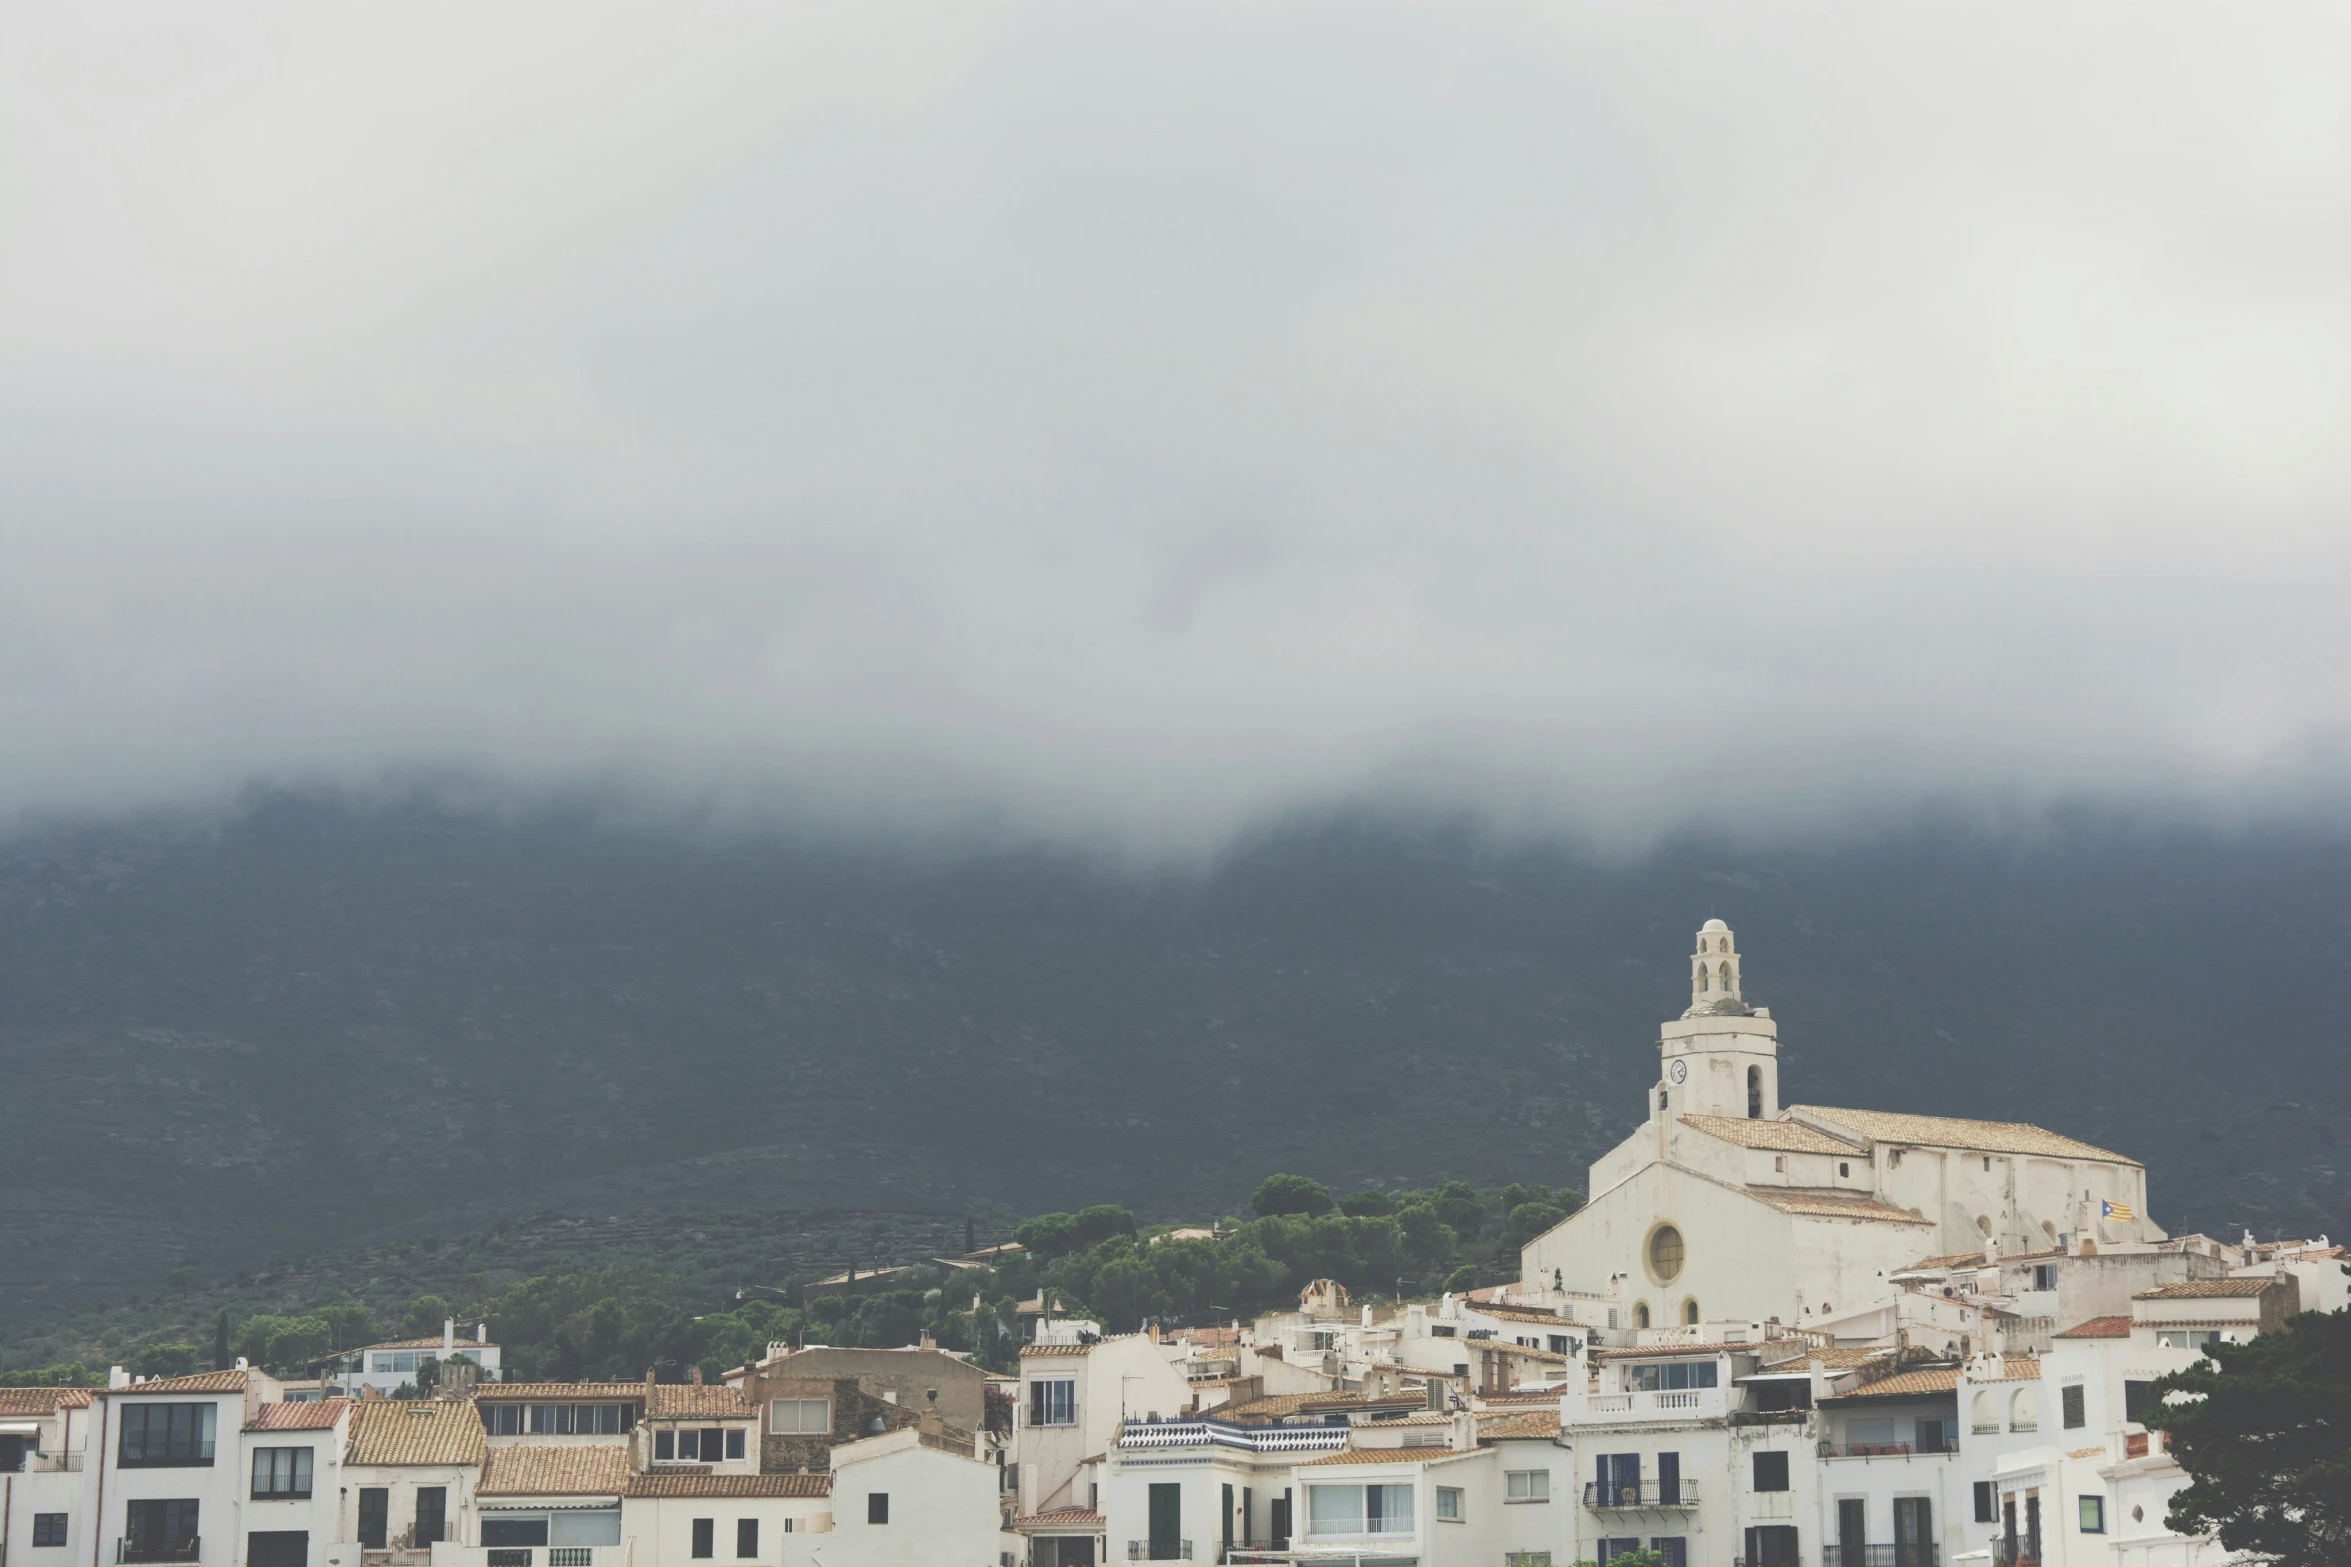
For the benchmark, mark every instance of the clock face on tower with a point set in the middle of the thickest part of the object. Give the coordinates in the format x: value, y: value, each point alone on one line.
x: 1679, y: 1071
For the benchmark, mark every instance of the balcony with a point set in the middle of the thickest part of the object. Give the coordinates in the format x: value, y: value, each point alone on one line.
x: 445, y: 1554
x: 1159, y: 1550
x: 1697, y: 1403
x: 1878, y: 1556
x: 2016, y: 1553
x: 1647, y: 1493
x: 1885, y: 1450
x: 187, y: 1550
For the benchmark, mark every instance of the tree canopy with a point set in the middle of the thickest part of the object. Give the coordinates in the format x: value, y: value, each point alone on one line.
x: 2263, y: 1429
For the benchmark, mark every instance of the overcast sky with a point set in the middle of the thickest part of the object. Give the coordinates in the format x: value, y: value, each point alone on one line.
x: 1135, y: 420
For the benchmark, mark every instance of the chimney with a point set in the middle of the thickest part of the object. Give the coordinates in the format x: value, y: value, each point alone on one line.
x: 1152, y: 1328
x: 695, y: 1376
x: 928, y: 1341
x: 1465, y: 1432
x: 481, y: 1333
x: 117, y: 1377
x: 648, y: 1383
x: 448, y: 1337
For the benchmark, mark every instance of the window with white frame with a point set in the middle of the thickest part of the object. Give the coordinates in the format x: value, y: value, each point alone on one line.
x: 1358, y: 1509
x: 800, y: 1416
x: 1053, y: 1403
x: 1449, y: 1503
x: 1527, y: 1485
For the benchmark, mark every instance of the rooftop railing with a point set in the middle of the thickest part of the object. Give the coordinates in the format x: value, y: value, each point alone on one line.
x: 1914, y: 1555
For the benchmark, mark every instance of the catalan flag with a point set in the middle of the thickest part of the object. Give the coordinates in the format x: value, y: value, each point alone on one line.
x: 2114, y: 1210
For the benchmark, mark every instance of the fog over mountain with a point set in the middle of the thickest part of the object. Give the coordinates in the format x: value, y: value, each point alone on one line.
x: 997, y: 605
x: 1127, y: 426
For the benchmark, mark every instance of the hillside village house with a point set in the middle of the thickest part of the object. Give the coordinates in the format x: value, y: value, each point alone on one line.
x: 393, y: 1365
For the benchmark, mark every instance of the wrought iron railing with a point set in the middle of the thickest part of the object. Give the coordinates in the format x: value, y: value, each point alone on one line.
x: 1914, y: 1555
x: 187, y: 1550
x: 1600, y: 1495
x: 1159, y: 1550
x: 509, y: 1556
x: 2016, y: 1553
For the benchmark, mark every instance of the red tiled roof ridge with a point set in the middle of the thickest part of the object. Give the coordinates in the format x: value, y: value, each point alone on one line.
x: 2100, y: 1327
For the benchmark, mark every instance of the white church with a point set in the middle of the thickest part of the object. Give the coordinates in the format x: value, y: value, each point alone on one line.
x: 1727, y: 1204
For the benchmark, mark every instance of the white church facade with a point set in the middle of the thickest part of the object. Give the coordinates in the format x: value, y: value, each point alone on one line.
x: 1727, y: 1204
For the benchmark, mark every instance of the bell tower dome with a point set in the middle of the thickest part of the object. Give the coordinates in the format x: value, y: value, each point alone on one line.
x: 1714, y: 974
x: 1721, y: 1056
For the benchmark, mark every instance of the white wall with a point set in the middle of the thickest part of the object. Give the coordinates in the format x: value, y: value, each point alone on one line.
x: 942, y: 1508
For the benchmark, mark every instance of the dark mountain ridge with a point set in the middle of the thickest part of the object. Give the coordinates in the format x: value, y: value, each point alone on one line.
x: 314, y: 1025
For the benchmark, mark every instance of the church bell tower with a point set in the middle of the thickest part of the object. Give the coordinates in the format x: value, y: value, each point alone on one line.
x: 1721, y: 1057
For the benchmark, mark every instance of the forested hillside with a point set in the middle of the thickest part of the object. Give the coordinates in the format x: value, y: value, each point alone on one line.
x: 310, y: 1028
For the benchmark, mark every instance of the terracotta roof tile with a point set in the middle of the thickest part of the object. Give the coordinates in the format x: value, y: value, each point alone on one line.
x: 1529, y: 1314
x: 598, y: 1469
x: 664, y: 1482
x: 1380, y: 1455
x: 1060, y: 1518
x: 1834, y: 1205
x: 684, y: 1400
x: 1042, y: 1350
x: 201, y: 1382
x: 41, y: 1400
x: 1280, y: 1405
x: 2208, y: 1289
x: 1942, y: 1131
x: 1960, y: 1259
x: 1837, y: 1357
x: 1904, y: 1384
x: 2015, y: 1368
x: 429, y: 1341
x: 561, y: 1392
x: 434, y: 1431
x: 316, y: 1414
x: 2100, y: 1327
x: 1778, y: 1136
x: 1530, y: 1423
x: 1525, y: 1351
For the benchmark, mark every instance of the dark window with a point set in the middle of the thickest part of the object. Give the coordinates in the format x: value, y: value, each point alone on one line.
x: 1938, y: 1436
x: 714, y: 1442
x: 2045, y: 1275
x: 690, y: 1445
x: 502, y: 1419
x: 665, y: 1444
x: 1771, y: 1471
x: 1986, y: 1509
x: 277, y: 1548
x: 514, y: 1531
x: 2071, y: 1398
x: 432, y: 1514
x: 2137, y: 1399
x: 48, y: 1528
x: 280, y: 1473
x: 161, y: 1531
x: 746, y: 1537
x: 1053, y: 1403
x: 1771, y: 1545
x: 705, y: 1537
x: 735, y: 1443
x: 1609, y: 1550
x: 166, y: 1436
x: 375, y: 1517
x: 1674, y: 1548
x: 1669, y: 1479
x: 877, y: 1507
x: 1754, y: 1093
